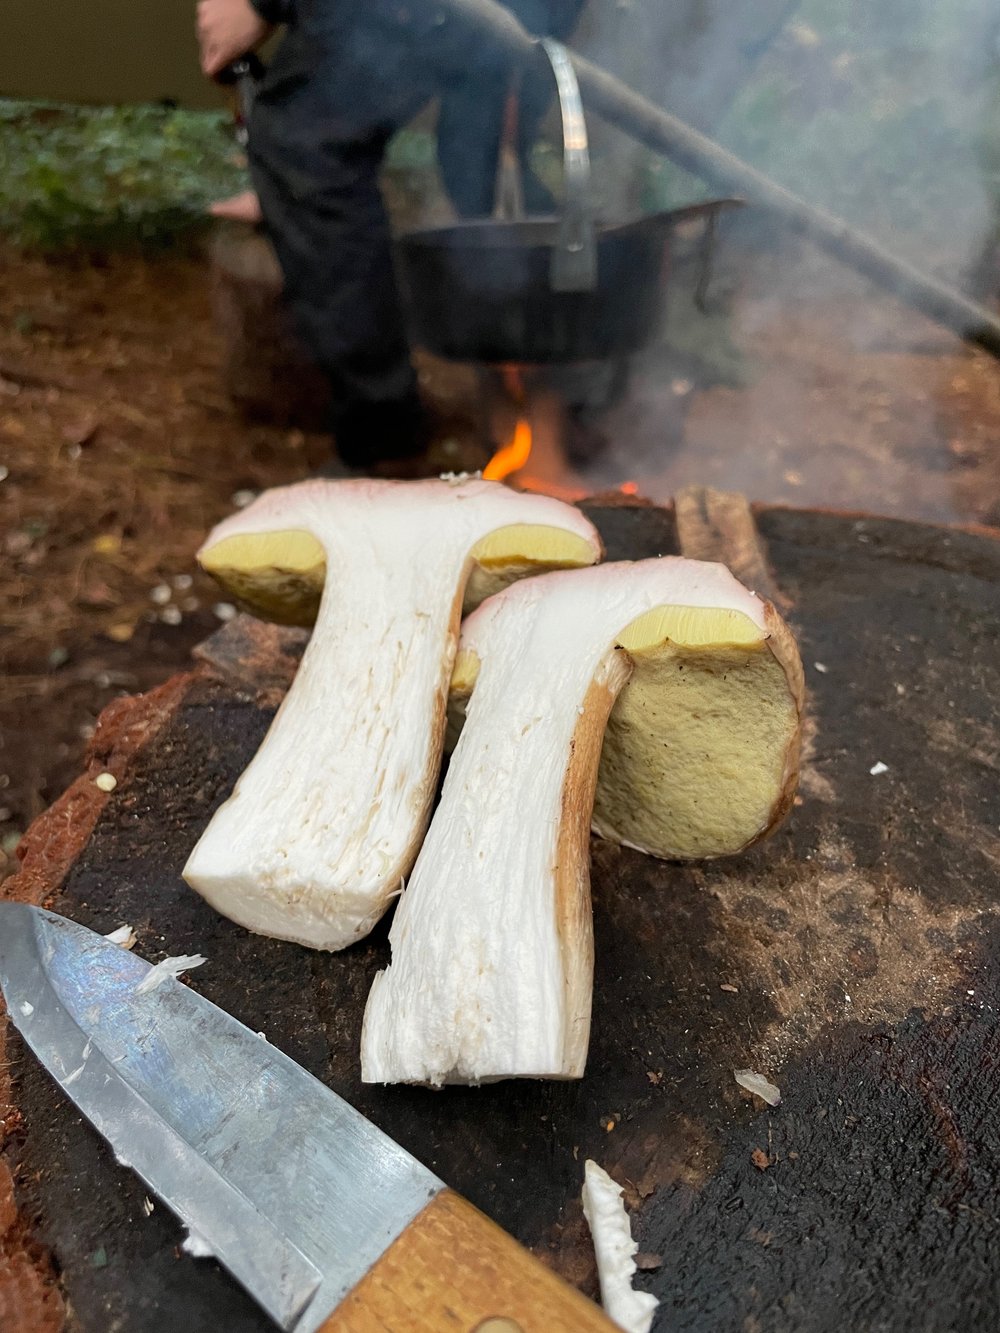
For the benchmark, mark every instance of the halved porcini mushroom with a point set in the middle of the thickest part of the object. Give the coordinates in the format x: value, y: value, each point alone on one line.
x: 492, y: 948
x: 324, y: 823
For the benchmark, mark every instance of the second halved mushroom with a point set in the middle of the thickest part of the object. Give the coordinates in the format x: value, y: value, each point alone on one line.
x: 492, y: 951
x: 326, y: 820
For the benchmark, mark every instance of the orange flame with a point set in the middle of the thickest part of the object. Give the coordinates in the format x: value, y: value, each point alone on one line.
x: 512, y: 456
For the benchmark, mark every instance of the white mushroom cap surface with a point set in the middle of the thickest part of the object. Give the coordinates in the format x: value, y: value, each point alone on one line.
x: 492, y: 954
x: 327, y: 818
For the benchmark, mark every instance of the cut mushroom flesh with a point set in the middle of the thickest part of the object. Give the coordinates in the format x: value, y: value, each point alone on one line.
x: 492, y: 953
x: 326, y: 820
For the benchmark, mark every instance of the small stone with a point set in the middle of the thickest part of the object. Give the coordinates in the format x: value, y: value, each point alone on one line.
x: 760, y: 1159
x: 878, y: 769
x: 224, y: 611
x: 243, y: 498
x: 4, y: 472
x: 182, y: 582
x: 106, y: 781
x: 821, y: 667
x: 171, y: 615
x: 160, y: 594
x: 733, y: 990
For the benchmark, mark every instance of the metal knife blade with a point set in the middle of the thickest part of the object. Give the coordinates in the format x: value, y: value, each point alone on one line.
x: 296, y: 1192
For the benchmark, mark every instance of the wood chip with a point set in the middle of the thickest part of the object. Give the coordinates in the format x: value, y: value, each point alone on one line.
x: 648, y: 1263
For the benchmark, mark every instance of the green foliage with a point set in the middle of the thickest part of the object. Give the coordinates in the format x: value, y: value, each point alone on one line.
x: 103, y: 179
x: 412, y: 150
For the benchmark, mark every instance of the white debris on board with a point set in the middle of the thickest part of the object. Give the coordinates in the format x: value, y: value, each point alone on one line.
x: 196, y: 1246
x: 26, y: 1008
x: 170, y: 967
x: 124, y: 937
x: 615, y: 1250
x: 758, y: 1084
x: 71, y: 1078
x: 106, y: 781
x: 878, y: 769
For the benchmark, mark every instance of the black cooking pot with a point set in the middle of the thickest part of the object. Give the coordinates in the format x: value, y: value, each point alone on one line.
x: 482, y: 291
x: 542, y: 289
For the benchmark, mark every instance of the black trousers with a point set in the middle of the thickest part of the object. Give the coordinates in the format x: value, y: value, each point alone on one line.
x: 344, y: 79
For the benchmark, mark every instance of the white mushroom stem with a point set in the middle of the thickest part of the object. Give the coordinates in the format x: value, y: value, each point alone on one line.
x: 326, y: 820
x: 492, y: 954
x: 614, y: 1250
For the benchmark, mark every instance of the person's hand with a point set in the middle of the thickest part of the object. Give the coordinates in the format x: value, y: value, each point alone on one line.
x: 244, y: 207
x: 227, y: 29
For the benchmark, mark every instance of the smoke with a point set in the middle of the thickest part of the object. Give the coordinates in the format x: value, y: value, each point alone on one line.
x: 796, y: 379
x: 806, y: 384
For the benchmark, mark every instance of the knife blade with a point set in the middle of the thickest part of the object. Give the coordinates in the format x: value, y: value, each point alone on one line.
x: 326, y: 1221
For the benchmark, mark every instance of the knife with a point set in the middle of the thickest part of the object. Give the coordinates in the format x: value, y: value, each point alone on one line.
x: 326, y: 1222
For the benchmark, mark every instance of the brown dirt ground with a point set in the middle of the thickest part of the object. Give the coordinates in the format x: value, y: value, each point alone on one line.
x: 119, y: 448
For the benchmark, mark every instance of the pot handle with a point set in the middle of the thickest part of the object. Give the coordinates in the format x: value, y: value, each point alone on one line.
x: 574, y: 259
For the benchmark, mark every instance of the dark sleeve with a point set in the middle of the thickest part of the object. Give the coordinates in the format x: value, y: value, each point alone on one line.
x: 275, y: 11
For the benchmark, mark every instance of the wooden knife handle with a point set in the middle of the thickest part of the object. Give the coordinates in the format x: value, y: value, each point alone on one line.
x: 454, y: 1271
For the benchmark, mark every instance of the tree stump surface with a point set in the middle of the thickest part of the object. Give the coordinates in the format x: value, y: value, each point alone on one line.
x: 854, y: 958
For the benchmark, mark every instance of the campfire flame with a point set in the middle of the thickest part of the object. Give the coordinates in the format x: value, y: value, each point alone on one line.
x: 513, y: 456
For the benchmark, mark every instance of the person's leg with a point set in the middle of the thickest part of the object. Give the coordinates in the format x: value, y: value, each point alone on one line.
x: 324, y: 214
x: 472, y: 108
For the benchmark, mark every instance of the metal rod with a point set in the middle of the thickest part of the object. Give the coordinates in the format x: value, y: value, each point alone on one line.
x: 618, y: 104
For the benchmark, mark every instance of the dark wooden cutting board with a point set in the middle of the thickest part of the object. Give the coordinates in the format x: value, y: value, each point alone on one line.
x: 854, y: 958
